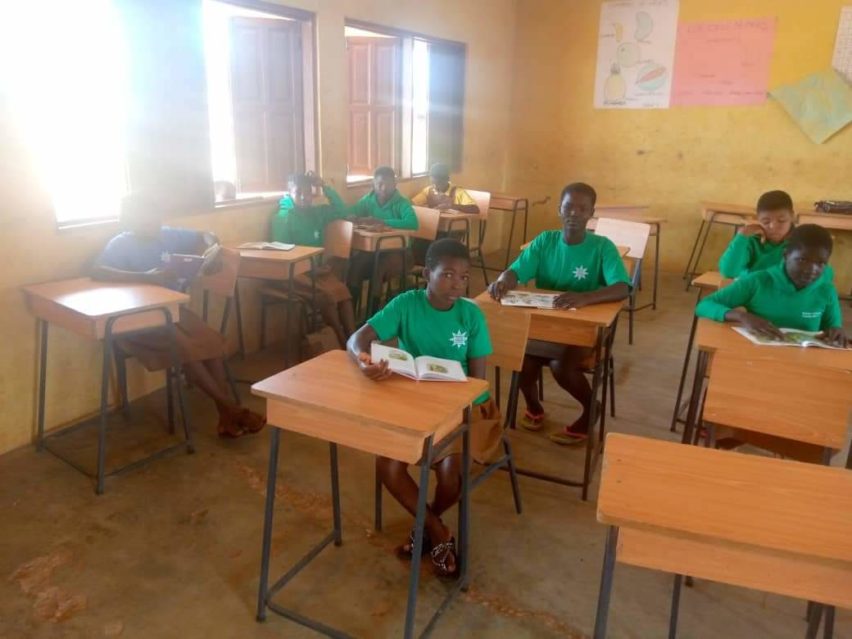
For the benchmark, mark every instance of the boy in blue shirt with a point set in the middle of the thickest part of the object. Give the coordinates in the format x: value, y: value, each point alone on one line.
x: 142, y: 254
x: 436, y: 321
x: 590, y: 271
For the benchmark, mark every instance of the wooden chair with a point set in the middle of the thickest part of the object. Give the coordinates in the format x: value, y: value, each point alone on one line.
x: 483, y: 201
x: 633, y: 235
x: 726, y: 517
x: 337, y: 247
x: 428, y: 221
x: 509, y: 332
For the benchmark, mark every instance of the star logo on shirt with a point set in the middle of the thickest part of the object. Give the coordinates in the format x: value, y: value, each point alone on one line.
x: 459, y: 339
x: 580, y: 273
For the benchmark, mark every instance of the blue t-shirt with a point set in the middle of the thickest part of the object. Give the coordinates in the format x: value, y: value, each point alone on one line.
x: 130, y: 252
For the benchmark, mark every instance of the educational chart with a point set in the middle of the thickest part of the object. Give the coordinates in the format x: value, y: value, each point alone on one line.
x: 636, y: 45
x: 821, y: 103
x: 723, y: 63
x: 842, y: 60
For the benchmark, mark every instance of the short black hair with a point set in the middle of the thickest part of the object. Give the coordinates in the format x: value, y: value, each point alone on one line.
x: 810, y: 236
x: 444, y: 248
x: 439, y: 169
x: 384, y: 171
x: 775, y: 201
x: 579, y: 187
x: 300, y: 179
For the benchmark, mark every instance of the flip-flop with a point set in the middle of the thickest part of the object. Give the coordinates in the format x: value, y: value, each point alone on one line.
x: 532, y: 422
x: 567, y: 437
x: 251, y: 422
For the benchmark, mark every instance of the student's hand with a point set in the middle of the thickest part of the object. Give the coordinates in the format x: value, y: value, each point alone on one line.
x: 753, y: 229
x: 834, y: 337
x: 570, y: 299
x: 498, y: 288
x: 375, y: 372
x: 759, y: 325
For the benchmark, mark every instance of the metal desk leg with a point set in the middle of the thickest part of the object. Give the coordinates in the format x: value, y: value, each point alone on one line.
x: 42, y: 380
x: 695, y: 398
x: 102, y: 426
x: 591, y: 442
x: 656, y: 268
x: 419, y: 522
x: 511, y: 232
x: 464, y: 506
x: 683, y: 373
x: 526, y: 219
x: 239, y: 313
x: 687, y: 272
x: 335, y: 495
x: 606, y: 583
x: 271, y: 477
x: 678, y: 582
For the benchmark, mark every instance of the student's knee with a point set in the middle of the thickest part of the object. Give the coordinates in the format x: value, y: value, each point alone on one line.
x: 390, y: 469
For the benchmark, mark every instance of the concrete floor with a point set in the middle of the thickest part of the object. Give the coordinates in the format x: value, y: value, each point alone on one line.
x: 172, y: 550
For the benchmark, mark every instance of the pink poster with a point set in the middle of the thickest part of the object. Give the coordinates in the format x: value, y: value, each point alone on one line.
x: 722, y: 63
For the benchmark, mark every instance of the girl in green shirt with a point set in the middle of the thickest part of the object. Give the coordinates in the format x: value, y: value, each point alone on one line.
x: 761, y: 245
x: 798, y: 293
x: 590, y: 271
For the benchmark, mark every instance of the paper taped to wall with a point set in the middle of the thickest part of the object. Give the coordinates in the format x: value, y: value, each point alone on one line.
x: 821, y: 103
x: 842, y: 60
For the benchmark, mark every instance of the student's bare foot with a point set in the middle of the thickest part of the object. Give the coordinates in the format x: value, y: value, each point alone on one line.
x: 250, y: 422
x: 532, y: 421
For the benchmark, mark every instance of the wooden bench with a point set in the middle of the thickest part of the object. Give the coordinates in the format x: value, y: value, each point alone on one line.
x: 769, y: 524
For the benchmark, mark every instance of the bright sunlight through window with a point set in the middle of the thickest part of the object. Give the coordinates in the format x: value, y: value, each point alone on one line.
x: 63, y: 68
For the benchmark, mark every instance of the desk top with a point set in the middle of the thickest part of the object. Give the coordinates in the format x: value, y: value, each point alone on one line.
x: 770, y: 503
x: 594, y: 315
x: 333, y: 385
x: 711, y: 281
x: 627, y: 215
x: 833, y: 221
x: 712, y: 336
x: 505, y: 202
x: 722, y: 207
x: 83, y: 305
x: 296, y: 254
x: 458, y: 215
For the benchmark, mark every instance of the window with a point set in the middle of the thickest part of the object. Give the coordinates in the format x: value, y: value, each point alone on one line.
x: 66, y: 78
x: 260, y: 96
x: 405, y: 100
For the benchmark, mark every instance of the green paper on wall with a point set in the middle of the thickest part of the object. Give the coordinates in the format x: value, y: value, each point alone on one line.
x: 821, y: 103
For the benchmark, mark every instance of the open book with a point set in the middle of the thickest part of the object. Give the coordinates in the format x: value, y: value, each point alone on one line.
x: 792, y: 337
x: 266, y: 246
x: 530, y: 299
x: 425, y: 368
x: 188, y: 267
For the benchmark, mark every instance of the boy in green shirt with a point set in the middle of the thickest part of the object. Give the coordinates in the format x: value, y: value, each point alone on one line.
x: 761, y: 245
x: 300, y: 222
x: 439, y: 322
x: 383, y: 206
x: 590, y: 271
x: 797, y: 293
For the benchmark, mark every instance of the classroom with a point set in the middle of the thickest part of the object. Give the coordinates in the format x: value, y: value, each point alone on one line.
x: 486, y: 318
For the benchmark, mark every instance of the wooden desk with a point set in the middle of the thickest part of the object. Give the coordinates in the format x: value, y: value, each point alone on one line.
x: 734, y: 215
x: 713, y: 336
x: 100, y: 311
x: 591, y: 326
x: 374, y: 241
x: 513, y: 204
x: 756, y: 522
x: 330, y: 399
x: 705, y: 283
x: 833, y: 221
x: 449, y: 219
x: 281, y: 266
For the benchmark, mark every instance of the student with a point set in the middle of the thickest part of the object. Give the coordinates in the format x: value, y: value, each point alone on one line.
x: 759, y: 246
x: 796, y: 293
x: 443, y: 194
x: 383, y: 206
x: 590, y: 271
x: 142, y: 254
x: 300, y: 222
x: 438, y: 322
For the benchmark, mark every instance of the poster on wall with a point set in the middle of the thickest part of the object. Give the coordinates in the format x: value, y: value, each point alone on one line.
x: 842, y: 60
x: 723, y: 63
x: 636, y: 45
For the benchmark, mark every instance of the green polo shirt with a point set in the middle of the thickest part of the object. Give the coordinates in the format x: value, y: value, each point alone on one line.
x: 771, y: 295
x: 592, y: 264
x: 459, y: 333
x: 747, y: 254
x: 305, y: 226
x: 397, y: 212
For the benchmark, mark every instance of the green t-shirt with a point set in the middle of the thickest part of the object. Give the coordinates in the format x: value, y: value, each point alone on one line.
x: 771, y: 295
x: 459, y: 333
x: 747, y: 254
x: 592, y: 264
x: 305, y: 226
x: 397, y: 212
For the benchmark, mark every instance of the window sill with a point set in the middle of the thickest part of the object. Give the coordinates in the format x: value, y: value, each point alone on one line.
x: 399, y: 180
x: 73, y: 227
x: 252, y: 200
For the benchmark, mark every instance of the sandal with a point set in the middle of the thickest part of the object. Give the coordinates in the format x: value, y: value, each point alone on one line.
x: 533, y: 422
x: 406, y: 551
x: 440, y: 553
x: 568, y: 437
x: 233, y: 432
x: 251, y: 422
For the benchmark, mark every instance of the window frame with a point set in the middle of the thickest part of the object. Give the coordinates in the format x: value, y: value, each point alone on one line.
x: 406, y: 129
x: 310, y: 96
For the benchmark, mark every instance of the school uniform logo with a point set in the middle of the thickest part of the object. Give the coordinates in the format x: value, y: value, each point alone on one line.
x: 580, y: 273
x: 459, y: 339
x: 811, y: 314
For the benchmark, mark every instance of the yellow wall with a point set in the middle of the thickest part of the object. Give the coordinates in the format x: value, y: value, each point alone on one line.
x: 33, y: 251
x: 675, y: 157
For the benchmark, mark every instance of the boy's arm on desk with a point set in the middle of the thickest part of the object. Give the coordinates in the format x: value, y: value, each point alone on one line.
x: 612, y: 293
x: 358, y: 347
